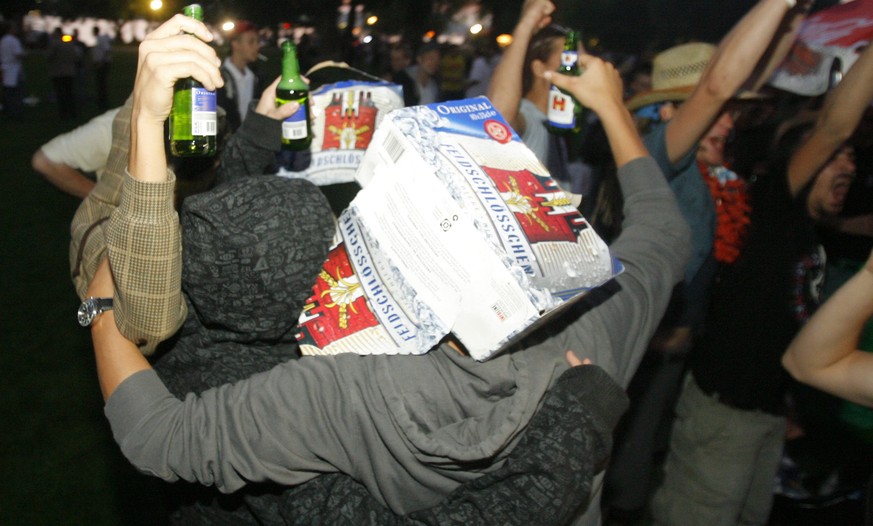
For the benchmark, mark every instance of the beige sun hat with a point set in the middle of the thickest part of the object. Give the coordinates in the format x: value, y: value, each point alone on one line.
x: 675, y: 73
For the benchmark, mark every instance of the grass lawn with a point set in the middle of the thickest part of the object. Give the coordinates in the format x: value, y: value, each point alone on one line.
x: 57, y: 456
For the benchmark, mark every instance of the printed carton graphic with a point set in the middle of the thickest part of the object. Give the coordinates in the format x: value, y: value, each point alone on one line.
x: 458, y: 229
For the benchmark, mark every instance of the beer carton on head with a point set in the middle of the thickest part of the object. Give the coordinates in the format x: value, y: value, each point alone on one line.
x: 458, y: 228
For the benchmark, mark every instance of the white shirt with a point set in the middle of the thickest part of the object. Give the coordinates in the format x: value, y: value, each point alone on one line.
x: 245, y: 87
x: 85, y: 148
x: 427, y: 93
x: 10, y: 59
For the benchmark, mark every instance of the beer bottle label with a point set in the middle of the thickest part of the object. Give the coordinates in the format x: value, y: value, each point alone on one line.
x: 204, y: 119
x: 294, y: 127
x: 561, y: 109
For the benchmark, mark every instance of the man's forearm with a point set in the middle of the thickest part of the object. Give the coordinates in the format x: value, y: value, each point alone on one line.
x: 825, y: 352
x: 117, y: 357
x: 62, y: 176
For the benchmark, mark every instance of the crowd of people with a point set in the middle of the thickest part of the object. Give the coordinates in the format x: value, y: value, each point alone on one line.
x: 720, y: 195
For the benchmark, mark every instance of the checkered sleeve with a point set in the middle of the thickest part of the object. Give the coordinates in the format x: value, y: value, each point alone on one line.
x: 145, y: 252
x: 143, y: 242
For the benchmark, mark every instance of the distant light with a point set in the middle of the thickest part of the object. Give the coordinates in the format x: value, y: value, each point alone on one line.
x: 429, y: 35
x: 371, y: 20
x: 367, y: 39
x: 475, y: 29
x: 228, y: 26
x: 156, y: 4
x: 504, y: 40
x: 66, y: 38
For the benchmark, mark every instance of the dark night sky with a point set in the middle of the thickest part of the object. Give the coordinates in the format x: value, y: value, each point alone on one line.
x: 620, y: 24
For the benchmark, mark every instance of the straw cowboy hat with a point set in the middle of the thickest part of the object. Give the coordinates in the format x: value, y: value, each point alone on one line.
x: 675, y: 74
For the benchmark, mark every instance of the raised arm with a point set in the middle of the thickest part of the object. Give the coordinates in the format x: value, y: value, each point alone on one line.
x: 505, y: 89
x: 825, y: 352
x: 654, y: 244
x: 842, y: 111
x: 730, y: 67
x: 166, y: 55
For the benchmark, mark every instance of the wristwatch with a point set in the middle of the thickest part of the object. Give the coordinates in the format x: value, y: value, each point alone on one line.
x: 91, y: 307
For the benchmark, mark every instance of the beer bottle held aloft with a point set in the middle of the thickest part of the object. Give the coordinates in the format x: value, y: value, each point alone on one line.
x: 193, y: 122
x: 296, y: 129
x: 565, y: 112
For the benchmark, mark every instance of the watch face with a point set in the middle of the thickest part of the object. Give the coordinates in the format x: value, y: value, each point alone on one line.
x: 87, y: 312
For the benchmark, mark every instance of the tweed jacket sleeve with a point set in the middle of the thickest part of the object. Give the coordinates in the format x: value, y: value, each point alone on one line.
x: 135, y: 225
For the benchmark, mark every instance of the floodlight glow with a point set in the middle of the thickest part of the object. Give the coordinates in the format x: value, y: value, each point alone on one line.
x: 371, y: 21
x: 504, y: 40
x: 228, y: 26
x: 156, y: 4
x: 475, y: 29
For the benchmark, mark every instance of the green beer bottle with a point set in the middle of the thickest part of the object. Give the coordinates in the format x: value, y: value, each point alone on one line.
x: 565, y: 112
x: 296, y: 129
x: 193, y: 122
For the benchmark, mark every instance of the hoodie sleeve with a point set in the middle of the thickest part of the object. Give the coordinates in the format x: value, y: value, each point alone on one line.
x: 546, y: 478
x: 614, y: 323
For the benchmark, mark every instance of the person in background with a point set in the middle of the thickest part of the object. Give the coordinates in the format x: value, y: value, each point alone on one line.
x: 63, y: 58
x: 520, y: 93
x: 242, y: 82
x: 101, y: 59
x: 82, y: 65
x: 452, y: 73
x: 688, y: 118
x: 62, y: 160
x: 485, y: 58
x: 425, y: 73
x: 399, y: 59
x: 11, y: 54
x: 518, y: 89
x: 728, y: 437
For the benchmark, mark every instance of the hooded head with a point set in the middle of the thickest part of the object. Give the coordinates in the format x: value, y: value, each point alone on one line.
x: 252, y: 251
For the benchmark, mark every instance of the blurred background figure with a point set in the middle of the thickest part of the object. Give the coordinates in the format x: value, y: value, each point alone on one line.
x: 485, y: 57
x: 11, y: 53
x: 62, y: 60
x: 399, y: 59
x: 242, y: 80
x: 452, y: 73
x: 425, y: 73
x: 101, y: 58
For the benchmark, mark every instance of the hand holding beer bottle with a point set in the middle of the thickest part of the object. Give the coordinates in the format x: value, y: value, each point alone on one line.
x: 565, y: 112
x: 194, y: 119
x: 296, y: 129
x: 175, y: 50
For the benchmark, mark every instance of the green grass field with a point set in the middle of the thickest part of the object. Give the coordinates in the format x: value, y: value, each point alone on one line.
x: 57, y: 456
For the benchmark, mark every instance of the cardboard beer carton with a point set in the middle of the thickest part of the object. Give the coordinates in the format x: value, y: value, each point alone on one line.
x: 347, y: 106
x: 458, y: 229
